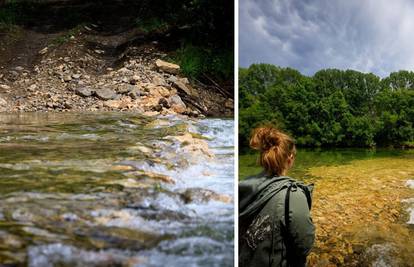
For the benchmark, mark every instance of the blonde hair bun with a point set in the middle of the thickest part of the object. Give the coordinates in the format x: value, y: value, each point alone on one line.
x: 275, y: 148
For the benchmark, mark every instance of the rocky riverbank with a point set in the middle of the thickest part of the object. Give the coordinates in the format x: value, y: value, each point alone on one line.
x: 83, y: 70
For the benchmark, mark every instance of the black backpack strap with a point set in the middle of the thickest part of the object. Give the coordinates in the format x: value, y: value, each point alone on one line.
x: 307, y: 193
x: 287, y: 199
x: 287, y: 223
x: 287, y: 208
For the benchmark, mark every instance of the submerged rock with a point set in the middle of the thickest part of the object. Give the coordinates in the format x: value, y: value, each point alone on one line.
x: 380, y: 255
x: 410, y: 184
x: 153, y: 176
x: 10, y: 240
x: 199, y: 195
x: 194, y: 146
x: 59, y: 254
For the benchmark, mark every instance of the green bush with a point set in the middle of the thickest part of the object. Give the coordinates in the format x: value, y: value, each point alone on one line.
x: 196, y: 61
x: 7, y: 18
x: 151, y: 24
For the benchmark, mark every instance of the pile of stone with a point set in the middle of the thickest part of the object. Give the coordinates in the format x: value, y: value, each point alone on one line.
x: 81, y: 80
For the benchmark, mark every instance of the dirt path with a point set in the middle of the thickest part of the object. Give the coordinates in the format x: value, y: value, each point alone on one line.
x: 358, y: 206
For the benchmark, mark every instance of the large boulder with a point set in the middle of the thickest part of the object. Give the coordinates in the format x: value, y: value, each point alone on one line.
x: 167, y: 67
x: 177, y: 104
x: 201, y: 195
x: 84, y: 91
x: 106, y: 94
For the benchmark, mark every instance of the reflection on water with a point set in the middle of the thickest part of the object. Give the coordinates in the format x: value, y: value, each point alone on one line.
x: 115, y: 189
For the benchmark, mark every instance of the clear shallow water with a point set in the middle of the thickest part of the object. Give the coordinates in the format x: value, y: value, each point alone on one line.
x: 115, y: 189
x: 381, y: 169
x: 308, y: 158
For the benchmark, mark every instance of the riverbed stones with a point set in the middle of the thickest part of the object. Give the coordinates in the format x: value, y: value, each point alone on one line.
x: 10, y: 240
x: 84, y: 91
x: 167, y: 67
x: 154, y: 176
x: 140, y: 82
x: 113, y: 104
x: 3, y: 104
x: 134, y: 80
x: 76, y: 76
x: 159, y: 81
x: 4, y: 87
x: 197, y: 148
x: 164, y: 103
x: 229, y: 103
x: 177, y: 104
x: 67, y: 78
x: 105, y: 94
x: 124, y: 90
x: 180, y: 85
x: 135, y: 93
x: 200, y: 195
x: 32, y: 88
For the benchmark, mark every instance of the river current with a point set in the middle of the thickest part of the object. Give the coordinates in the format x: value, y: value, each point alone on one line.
x: 115, y: 189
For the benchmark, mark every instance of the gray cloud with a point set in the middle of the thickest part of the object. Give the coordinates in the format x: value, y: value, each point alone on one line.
x: 370, y: 35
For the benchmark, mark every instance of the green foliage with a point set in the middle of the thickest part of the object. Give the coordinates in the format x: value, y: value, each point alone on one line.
x: 151, y: 24
x: 333, y: 108
x: 62, y: 39
x: 204, y: 29
x: 7, y: 18
x: 197, y: 60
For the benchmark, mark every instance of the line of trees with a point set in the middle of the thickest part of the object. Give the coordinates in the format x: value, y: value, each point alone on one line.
x: 337, y: 108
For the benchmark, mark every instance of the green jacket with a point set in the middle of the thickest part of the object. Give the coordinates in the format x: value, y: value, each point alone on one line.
x: 266, y: 238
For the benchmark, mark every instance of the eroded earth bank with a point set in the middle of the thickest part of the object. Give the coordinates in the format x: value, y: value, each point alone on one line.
x: 74, y: 56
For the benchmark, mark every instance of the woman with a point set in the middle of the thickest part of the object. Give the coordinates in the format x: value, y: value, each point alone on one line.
x: 275, y: 227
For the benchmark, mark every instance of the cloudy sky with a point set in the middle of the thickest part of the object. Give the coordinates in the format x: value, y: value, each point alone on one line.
x: 366, y: 35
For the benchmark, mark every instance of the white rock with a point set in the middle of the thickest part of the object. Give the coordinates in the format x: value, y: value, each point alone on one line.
x: 167, y: 67
x: 3, y: 102
x: 32, y: 87
x: 43, y: 51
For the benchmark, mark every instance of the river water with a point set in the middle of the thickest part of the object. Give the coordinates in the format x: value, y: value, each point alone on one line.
x: 363, y: 204
x: 115, y: 189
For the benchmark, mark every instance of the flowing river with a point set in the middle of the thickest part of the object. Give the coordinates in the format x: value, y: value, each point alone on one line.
x: 363, y: 204
x: 117, y: 189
